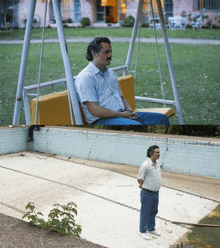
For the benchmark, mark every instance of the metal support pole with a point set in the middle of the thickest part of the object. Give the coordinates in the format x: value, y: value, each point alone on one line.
x: 24, y: 57
x: 40, y: 65
x: 170, y: 63
x: 134, y: 32
x: 26, y: 107
x: 68, y: 70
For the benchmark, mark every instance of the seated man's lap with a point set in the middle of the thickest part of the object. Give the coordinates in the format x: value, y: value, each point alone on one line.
x: 143, y: 118
x: 116, y: 121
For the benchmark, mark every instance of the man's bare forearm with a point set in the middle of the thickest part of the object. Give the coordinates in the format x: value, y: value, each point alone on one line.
x: 101, y: 112
x: 126, y: 104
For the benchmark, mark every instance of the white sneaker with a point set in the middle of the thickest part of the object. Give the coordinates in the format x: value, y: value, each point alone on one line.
x: 155, y: 232
x: 145, y: 236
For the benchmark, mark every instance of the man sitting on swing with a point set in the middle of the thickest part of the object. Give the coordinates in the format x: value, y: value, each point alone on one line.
x: 99, y: 92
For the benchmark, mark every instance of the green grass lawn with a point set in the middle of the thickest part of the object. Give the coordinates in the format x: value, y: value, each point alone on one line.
x: 207, y: 237
x: 111, y: 32
x: 204, y: 236
x: 196, y: 68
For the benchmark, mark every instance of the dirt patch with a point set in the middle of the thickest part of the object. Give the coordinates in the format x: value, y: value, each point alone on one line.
x: 17, y: 233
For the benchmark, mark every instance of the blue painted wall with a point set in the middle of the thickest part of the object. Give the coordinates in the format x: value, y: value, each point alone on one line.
x: 13, y: 140
x: 177, y: 155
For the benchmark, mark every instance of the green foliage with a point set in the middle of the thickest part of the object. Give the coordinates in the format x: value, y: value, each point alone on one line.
x: 145, y: 24
x: 206, y: 237
x: 195, y: 130
x: 109, y: 32
x: 69, y: 20
x: 129, y: 21
x: 60, y: 219
x: 85, y: 22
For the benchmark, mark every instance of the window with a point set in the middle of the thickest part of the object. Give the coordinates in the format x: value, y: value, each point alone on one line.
x: 100, y: 12
x: 209, y: 4
x: 122, y: 10
x: 9, y: 16
x: 168, y: 8
x: 67, y: 10
x: 77, y: 11
x: 70, y: 10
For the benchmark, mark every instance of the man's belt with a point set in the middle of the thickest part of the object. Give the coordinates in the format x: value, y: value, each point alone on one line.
x: 150, y: 191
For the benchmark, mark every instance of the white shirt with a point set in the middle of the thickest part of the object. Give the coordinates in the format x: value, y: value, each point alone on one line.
x: 151, y: 175
x: 94, y: 86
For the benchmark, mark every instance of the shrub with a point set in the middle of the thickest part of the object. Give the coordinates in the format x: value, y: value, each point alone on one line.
x: 60, y: 219
x: 129, y: 21
x: 145, y: 24
x: 67, y: 21
x: 85, y: 22
x: 208, y: 24
x: 53, y: 20
x: 183, y: 13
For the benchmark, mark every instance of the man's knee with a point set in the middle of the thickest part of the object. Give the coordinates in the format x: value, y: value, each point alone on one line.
x: 164, y: 120
x: 150, y: 118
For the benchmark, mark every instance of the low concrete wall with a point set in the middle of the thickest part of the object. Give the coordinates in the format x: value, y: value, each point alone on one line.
x: 189, y: 155
x: 197, y: 157
x: 13, y: 140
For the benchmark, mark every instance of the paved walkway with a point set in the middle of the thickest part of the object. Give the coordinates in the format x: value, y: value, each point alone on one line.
x: 122, y: 39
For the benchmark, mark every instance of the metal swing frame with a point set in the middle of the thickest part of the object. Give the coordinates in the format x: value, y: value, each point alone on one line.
x: 137, y: 23
x: 23, y: 92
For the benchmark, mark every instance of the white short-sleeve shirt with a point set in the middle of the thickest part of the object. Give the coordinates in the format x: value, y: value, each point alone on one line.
x: 94, y: 86
x: 150, y: 174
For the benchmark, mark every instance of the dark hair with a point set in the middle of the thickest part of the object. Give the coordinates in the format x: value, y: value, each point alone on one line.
x: 95, y: 47
x: 150, y: 150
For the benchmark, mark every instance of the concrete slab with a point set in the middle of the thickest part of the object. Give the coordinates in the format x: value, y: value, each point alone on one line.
x: 107, y: 202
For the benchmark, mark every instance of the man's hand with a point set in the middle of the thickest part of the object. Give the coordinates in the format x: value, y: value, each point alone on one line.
x: 126, y: 105
x: 140, y: 182
x: 129, y: 115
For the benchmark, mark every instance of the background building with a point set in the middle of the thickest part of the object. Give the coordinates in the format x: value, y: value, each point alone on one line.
x: 103, y: 12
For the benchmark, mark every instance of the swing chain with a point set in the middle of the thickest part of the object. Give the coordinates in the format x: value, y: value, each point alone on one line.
x: 40, y: 64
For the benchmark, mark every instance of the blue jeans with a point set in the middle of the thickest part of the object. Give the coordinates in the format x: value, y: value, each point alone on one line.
x: 149, y: 210
x: 143, y: 118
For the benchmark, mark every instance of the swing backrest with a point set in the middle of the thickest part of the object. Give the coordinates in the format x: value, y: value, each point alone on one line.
x: 53, y: 109
x: 126, y: 84
x: 127, y: 88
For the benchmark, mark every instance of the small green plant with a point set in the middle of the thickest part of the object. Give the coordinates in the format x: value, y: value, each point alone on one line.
x: 145, y: 24
x: 85, y: 21
x: 60, y: 219
x: 129, y: 21
x: 183, y: 13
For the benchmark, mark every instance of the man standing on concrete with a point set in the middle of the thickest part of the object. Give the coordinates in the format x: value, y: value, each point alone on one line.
x: 149, y: 180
